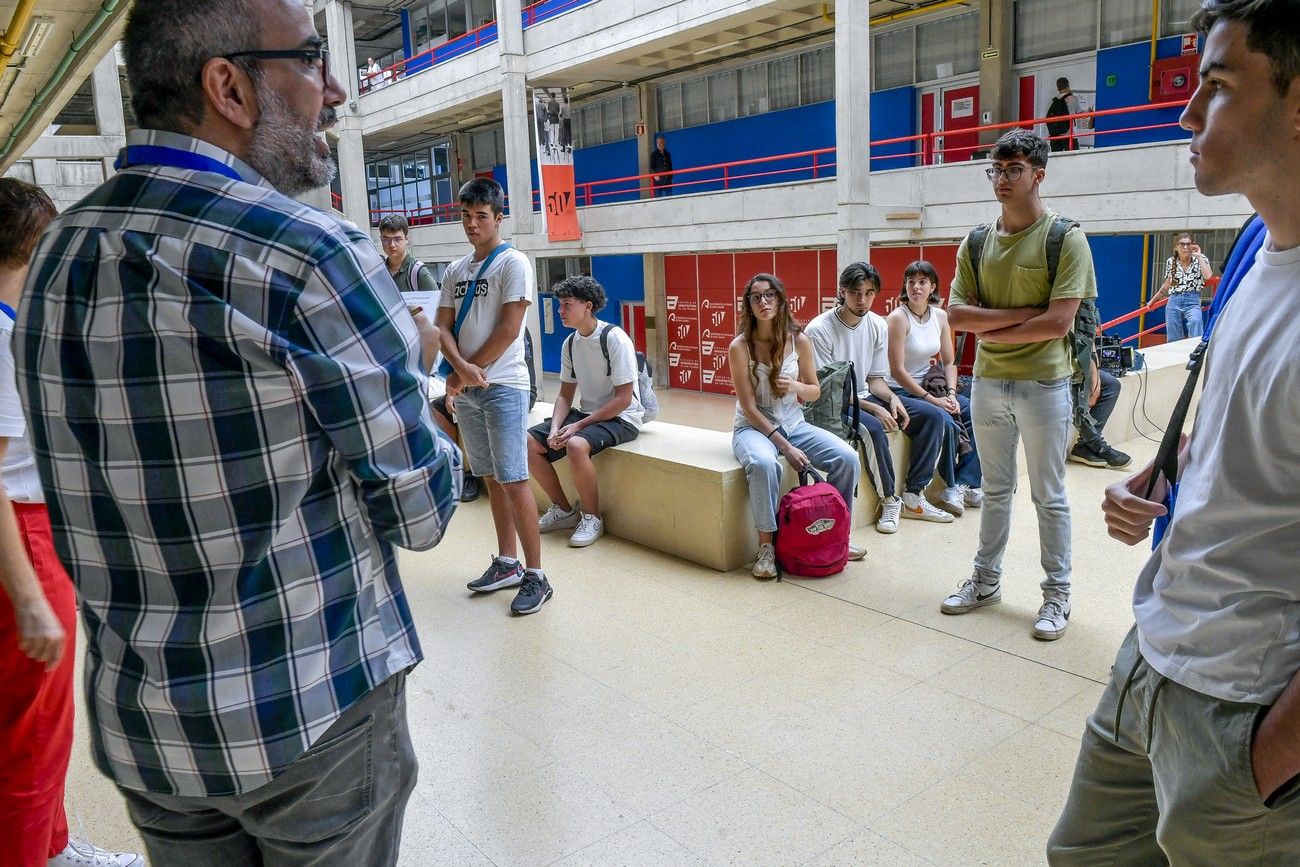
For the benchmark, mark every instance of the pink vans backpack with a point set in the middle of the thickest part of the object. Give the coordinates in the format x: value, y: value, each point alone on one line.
x: 812, y: 528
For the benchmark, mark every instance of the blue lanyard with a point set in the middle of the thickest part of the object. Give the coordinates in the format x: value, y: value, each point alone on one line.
x: 160, y: 155
x: 8, y: 311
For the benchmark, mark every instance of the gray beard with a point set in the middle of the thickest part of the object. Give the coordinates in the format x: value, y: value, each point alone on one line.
x: 283, y: 149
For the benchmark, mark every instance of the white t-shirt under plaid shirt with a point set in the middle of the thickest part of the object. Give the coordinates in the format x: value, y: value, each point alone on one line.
x: 230, y: 422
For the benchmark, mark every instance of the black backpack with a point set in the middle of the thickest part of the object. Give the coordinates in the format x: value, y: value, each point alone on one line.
x: 1082, y: 336
x: 644, y: 385
x: 1058, y: 108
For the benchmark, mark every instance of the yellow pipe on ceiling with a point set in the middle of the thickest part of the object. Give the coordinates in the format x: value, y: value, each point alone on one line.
x: 920, y: 10
x: 17, y: 27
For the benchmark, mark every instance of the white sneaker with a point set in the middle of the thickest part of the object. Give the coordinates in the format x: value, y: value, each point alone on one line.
x: 1053, y: 618
x: 765, y: 563
x: 889, y: 511
x: 590, y: 528
x: 856, y: 552
x: 971, y: 595
x: 80, y: 853
x: 556, y: 518
x: 974, y: 497
x: 918, y: 508
x: 953, y: 500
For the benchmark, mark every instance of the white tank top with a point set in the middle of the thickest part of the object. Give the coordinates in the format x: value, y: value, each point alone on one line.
x: 782, y: 411
x: 922, y: 344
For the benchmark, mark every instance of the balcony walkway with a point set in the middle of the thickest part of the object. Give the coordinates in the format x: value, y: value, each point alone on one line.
x: 660, y: 713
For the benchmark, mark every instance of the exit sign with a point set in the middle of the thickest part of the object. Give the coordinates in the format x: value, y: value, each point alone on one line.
x: 1112, y: 80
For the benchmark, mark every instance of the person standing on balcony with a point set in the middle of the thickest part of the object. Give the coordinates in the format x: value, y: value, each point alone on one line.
x: 1063, y: 104
x: 372, y: 74
x: 661, y: 168
x: 1193, y: 753
x: 1023, y: 368
x: 1185, y: 274
x: 227, y: 411
x: 485, y: 300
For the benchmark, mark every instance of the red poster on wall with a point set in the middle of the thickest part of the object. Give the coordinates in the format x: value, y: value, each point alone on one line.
x: 717, y: 328
x: 798, y: 270
x: 682, y: 302
x: 555, y: 163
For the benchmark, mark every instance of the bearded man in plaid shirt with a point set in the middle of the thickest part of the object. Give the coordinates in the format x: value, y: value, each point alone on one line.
x: 229, y: 416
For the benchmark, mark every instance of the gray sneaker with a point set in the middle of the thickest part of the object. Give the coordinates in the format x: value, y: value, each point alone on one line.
x: 533, y: 593
x: 971, y: 595
x: 556, y: 518
x: 1053, y: 618
x: 765, y: 562
x: 499, y: 575
x: 590, y: 528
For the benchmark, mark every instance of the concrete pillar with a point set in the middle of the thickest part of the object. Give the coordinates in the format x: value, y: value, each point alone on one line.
x: 351, y: 152
x: 645, y: 142
x: 852, y: 129
x: 514, y: 109
x: 999, y: 88
x: 656, y: 321
x: 106, y: 88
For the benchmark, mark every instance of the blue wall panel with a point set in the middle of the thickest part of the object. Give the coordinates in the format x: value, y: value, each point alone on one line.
x: 893, y: 115
x: 1117, y: 261
x: 1131, y: 67
x: 624, y: 280
x: 601, y: 162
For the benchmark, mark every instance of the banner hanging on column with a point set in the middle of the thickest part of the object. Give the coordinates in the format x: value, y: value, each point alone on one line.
x: 555, y: 163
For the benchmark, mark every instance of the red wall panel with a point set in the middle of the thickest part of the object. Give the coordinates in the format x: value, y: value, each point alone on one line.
x: 681, y: 291
x: 800, y: 272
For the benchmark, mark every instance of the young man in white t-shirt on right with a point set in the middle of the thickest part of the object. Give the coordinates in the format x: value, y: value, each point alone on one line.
x: 597, y: 363
x: 489, y: 383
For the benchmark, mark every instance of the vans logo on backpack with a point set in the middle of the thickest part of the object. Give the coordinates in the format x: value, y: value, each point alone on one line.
x: 825, y: 525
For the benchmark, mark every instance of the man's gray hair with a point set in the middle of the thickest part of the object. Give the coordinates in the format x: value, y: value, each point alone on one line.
x: 165, y: 45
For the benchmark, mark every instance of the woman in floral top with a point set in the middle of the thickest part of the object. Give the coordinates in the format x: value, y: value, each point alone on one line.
x: 1185, y: 276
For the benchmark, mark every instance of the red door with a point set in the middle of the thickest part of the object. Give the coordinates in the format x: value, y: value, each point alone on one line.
x: 961, y: 111
x: 634, y: 324
x: 927, y: 127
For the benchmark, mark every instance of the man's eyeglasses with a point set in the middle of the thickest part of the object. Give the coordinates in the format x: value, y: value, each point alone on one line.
x: 769, y: 296
x: 317, y: 57
x: 1013, y: 173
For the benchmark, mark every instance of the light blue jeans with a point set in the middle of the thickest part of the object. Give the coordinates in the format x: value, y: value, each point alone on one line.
x: 759, y: 457
x: 1006, y: 411
x: 1183, y: 316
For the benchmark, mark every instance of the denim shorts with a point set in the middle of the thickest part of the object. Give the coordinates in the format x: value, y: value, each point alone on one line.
x: 493, y: 429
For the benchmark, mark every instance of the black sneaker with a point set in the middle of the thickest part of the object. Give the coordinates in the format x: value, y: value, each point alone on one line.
x: 1101, y: 455
x: 532, y: 594
x: 469, y: 489
x: 500, y: 574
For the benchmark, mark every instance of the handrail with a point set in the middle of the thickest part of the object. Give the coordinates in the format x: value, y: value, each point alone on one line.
x: 398, y: 69
x: 530, y: 13
x: 1141, y: 311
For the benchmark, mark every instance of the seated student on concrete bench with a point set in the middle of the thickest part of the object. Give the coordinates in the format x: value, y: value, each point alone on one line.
x: 598, y: 362
x: 773, y: 368
x: 919, y: 331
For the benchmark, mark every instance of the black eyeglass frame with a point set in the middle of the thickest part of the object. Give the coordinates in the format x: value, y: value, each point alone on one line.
x: 318, y: 52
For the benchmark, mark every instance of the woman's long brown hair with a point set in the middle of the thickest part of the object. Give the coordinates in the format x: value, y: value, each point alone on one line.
x: 783, y: 328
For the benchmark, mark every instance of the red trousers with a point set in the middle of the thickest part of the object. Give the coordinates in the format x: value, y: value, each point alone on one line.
x: 35, y: 712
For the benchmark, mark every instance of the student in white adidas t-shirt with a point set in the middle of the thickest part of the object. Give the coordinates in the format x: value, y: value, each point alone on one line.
x: 608, y: 412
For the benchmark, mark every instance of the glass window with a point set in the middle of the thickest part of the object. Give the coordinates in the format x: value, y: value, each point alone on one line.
x: 611, y: 112
x: 1123, y: 21
x: 783, y: 83
x: 1053, y: 28
x: 753, y: 90
x: 722, y: 96
x: 483, y: 149
x: 695, y: 102
x: 949, y: 46
x: 670, y: 106
x: 481, y: 12
x: 631, y: 113
x: 437, y: 21
x: 457, y: 13
x: 420, y: 27
x: 892, y: 58
x: 816, y: 76
x: 1175, y: 15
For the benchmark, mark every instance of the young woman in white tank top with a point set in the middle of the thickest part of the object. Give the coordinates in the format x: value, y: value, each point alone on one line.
x: 918, y: 332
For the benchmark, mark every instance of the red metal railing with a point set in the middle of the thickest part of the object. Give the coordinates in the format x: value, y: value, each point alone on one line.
x: 534, y: 13
x: 484, y: 34
x: 336, y: 200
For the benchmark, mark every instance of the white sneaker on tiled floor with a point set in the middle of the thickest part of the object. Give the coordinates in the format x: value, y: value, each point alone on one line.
x: 590, y: 528
x: 953, y: 500
x: 973, y: 497
x: 856, y: 552
x: 971, y: 595
x: 80, y: 853
x: 889, y: 510
x: 1053, y: 618
x: 918, y: 508
x: 556, y: 518
x: 765, y: 562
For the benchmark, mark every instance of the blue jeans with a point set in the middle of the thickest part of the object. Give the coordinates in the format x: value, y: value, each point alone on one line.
x: 1183, y: 316
x: 759, y: 457
x: 954, y: 467
x: 1039, y: 412
x: 925, y: 428
x: 494, y: 429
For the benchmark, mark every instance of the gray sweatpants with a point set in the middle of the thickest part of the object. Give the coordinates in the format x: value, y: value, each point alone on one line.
x: 1164, y: 777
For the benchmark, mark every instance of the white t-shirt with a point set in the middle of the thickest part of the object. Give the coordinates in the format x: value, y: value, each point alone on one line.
x: 1218, y: 603
x: 510, y: 278
x: 865, y: 344
x: 18, y: 471
x: 595, y: 387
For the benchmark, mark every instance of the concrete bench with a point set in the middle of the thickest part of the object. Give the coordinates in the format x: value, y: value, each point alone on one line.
x: 679, y: 489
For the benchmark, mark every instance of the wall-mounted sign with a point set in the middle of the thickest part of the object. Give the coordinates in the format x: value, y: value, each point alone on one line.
x: 1189, y: 43
x: 964, y: 107
x: 1112, y: 80
x: 989, y: 53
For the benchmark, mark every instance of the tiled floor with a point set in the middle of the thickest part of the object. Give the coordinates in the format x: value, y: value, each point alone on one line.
x: 658, y: 713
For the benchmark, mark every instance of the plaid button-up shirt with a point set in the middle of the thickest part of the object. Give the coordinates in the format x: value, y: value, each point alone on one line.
x: 227, y: 411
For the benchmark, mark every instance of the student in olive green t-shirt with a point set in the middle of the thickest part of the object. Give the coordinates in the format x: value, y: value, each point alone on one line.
x: 1023, y: 368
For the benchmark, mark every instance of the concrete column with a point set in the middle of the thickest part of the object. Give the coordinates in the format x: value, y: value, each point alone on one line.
x: 514, y: 109
x: 107, y: 90
x: 351, y: 152
x: 645, y: 142
x: 999, y: 88
x: 656, y: 330
x: 852, y: 129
